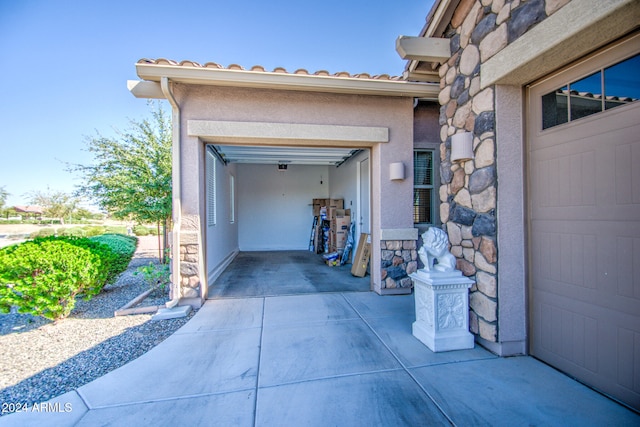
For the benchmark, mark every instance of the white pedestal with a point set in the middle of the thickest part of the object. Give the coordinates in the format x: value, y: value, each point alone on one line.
x: 442, y: 310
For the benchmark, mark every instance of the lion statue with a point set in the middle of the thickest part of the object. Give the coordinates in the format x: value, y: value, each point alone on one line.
x: 435, y: 247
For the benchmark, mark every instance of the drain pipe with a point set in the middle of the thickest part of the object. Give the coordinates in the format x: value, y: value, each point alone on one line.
x: 176, y: 290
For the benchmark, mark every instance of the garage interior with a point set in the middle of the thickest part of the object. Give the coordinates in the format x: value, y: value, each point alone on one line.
x: 263, y: 215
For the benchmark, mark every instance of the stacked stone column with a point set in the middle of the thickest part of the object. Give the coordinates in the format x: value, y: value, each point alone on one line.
x: 399, y: 258
x: 478, y: 30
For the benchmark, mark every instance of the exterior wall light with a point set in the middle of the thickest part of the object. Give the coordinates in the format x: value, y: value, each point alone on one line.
x: 462, y: 146
x: 396, y: 171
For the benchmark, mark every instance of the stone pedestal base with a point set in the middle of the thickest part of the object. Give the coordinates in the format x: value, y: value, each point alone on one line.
x: 442, y: 310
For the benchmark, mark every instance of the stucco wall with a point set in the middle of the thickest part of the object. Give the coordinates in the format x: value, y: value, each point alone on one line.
x: 391, y: 200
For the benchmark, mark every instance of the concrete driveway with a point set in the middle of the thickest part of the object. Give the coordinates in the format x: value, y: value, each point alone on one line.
x: 324, y: 359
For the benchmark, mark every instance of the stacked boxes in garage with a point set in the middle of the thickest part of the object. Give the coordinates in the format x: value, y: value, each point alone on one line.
x: 332, y: 225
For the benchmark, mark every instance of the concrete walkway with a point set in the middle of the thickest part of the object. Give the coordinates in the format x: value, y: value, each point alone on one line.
x: 330, y: 359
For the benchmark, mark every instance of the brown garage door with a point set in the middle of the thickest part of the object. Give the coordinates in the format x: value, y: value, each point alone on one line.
x: 584, y: 221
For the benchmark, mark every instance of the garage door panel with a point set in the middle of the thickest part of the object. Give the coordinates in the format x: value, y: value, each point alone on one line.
x: 627, y: 176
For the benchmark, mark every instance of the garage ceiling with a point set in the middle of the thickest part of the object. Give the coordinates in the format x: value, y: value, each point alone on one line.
x: 284, y: 155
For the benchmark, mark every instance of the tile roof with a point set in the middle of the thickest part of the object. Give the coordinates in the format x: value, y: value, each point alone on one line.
x: 261, y: 69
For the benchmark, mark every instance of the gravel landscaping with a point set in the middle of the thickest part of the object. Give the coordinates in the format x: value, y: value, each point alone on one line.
x: 43, y: 359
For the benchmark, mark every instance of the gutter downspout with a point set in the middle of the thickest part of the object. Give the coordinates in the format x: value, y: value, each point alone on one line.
x: 176, y: 290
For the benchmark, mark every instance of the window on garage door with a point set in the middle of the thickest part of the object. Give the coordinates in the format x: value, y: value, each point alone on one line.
x: 605, y: 89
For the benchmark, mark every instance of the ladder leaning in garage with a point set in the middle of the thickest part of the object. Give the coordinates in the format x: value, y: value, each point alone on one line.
x: 313, y: 234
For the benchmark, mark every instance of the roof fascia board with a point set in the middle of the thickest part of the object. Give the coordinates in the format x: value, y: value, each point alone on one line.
x: 300, y: 82
x: 437, y: 21
x: 423, y: 48
x: 144, y: 89
x: 286, y: 134
x: 586, y: 25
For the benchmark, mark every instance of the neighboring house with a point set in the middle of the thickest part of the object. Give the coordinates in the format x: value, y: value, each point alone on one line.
x: 31, y: 210
x: 545, y: 216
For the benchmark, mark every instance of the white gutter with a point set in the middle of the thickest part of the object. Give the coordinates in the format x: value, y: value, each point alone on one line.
x: 286, y: 81
x: 176, y: 194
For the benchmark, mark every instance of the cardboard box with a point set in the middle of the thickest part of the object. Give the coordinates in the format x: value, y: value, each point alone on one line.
x: 318, y: 204
x: 359, y: 267
x: 338, y: 212
x: 335, y: 203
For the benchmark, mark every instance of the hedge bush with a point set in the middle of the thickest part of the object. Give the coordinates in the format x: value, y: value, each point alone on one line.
x: 44, y: 276
x: 45, y: 232
x: 140, y: 230
x: 94, y: 230
x: 116, y: 229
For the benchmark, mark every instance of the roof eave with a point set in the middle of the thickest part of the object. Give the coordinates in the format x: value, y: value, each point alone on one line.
x: 285, y: 81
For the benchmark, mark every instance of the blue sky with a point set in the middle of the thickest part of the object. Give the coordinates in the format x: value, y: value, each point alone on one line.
x: 64, y: 64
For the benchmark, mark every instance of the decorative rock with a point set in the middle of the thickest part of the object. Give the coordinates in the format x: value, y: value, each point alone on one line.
x: 451, y: 110
x: 469, y: 59
x: 468, y: 24
x: 394, y: 244
x: 497, y: 5
x: 493, y: 42
x: 483, y: 101
x: 456, y: 87
x: 470, y: 123
x: 396, y: 273
x: 412, y: 267
x: 463, y: 198
x: 476, y: 242
x: 525, y: 16
x: 484, y: 122
x: 444, y: 191
x: 485, y: 152
x: 483, y: 306
x: 482, y: 264
x: 488, y: 331
x: 451, y: 75
x: 504, y: 14
x: 466, y: 243
x: 453, y: 230
x: 484, y: 27
x: 458, y: 181
x: 383, y: 274
x: 488, y: 249
x: 190, y: 258
x: 445, y: 95
x: 474, y: 86
x: 469, y: 168
x: 466, y: 232
x: 454, y: 43
x: 406, y: 283
x: 464, y: 97
x: 466, y: 267
x: 485, y: 201
x: 386, y: 255
x: 468, y: 254
x: 409, y: 244
x: 551, y: 6
x: 487, y: 284
x: 194, y: 282
x: 445, y: 172
x: 456, y: 251
x: 444, y: 212
x: 461, y: 115
x: 188, y: 269
x: 190, y: 292
x: 389, y: 283
x: 482, y: 179
x: 463, y: 216
x: 397, y: 261
x: 473, y: 322
x: 484, y: 225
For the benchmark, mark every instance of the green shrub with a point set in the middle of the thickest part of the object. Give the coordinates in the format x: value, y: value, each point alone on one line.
x: 45, y: 232
x: 140, y: 230
x: 44, y: 276
x: 153, y: 231
x: 72, y: 232
x: 122, y: 246
x: 94, y: 230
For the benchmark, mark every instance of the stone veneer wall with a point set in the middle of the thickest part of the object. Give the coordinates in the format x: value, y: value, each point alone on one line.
x: 399, y: 258
x: 478, y: 30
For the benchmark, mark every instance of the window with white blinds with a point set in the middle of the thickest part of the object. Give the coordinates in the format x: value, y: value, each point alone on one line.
x: 211, y: 188
x: 423, y: 189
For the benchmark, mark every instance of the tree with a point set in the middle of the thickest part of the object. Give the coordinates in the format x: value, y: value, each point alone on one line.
x: 131, y: 173
x: 56, y: 204
x: 3, y: 197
